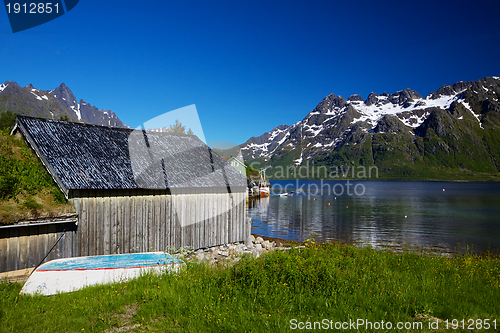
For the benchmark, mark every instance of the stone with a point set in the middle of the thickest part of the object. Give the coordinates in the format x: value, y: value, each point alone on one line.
x: 259, y: 240
x: 258, y: 247
x: 249, y: 241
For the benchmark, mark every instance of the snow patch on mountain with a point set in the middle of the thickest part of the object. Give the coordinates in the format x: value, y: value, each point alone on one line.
x: 76, y: 110
x: 275, y: 133
x: 280, y: 143
x: 374, y: 112
x: 37, y: 97
x: 467, y: 106
x: 313, y: 129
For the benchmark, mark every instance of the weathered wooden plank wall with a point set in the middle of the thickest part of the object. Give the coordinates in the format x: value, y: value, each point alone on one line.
x: 127, y: 222
x: 153, y: 221
x: 25, y: 246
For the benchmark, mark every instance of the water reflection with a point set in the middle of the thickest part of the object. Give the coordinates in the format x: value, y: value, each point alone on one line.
x: 449, y: 216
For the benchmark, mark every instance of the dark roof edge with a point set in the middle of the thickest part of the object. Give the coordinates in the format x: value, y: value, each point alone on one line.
x: 36, y: 224
x: 77, y: 123
x: 68, y: 218
x: 45, y: 163
x: 79, y: 193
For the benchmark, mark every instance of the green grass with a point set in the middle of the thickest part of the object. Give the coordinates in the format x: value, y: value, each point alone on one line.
x: 333, y: 281
x: 26, y: 188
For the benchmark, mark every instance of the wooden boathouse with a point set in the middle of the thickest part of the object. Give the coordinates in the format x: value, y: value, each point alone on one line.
x: 133, y: 190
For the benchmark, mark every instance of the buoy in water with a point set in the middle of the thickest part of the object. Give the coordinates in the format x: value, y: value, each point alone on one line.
x: 328, y: 204
x: 443, y: 189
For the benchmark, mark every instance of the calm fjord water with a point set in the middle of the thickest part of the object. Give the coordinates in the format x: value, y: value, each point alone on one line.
x: 384, y: 213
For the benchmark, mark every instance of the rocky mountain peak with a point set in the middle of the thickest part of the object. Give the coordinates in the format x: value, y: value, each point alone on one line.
x: 12, y: 85
x: 446, y: 90
x: 65, y: 96
x: 461, y: 85
x: 355, y: 98
x: 59, y: 103
x: 450, y: 90
x: 339, y: 102
x: 329, y: 102
x: 404, y: 97
x: 371, y: 99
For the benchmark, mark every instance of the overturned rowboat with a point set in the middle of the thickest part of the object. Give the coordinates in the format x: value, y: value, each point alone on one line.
x: 70, y: 274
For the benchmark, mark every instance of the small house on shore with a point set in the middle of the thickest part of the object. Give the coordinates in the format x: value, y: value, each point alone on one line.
x: 238, y: 163
x: 133, y: 190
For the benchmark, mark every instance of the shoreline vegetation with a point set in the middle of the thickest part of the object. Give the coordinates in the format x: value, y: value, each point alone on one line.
x: 307, y: 283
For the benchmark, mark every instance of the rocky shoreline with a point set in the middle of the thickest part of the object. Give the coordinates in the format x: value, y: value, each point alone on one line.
x: 232, y: 252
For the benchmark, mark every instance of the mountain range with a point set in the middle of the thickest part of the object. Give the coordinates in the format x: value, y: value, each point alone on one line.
x: 57, y: 104
x: 453, y: 133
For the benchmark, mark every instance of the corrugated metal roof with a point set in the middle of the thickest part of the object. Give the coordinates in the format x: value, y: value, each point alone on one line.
x: 82, y: 156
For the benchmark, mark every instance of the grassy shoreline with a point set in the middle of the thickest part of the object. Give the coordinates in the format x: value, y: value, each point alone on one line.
x: 337, y: 282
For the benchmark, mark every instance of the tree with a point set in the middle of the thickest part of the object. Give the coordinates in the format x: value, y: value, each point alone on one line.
x: 179, y: 128
x: 7, y: 119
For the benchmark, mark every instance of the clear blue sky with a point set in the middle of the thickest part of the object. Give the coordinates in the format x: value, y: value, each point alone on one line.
x: 249, y: 66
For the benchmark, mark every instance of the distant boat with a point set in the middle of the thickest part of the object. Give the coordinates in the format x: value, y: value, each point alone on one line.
x: 70, y: 274
x: 282, y: 194
x: 264, y: 188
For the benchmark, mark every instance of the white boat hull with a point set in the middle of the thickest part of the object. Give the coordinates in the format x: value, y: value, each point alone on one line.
x: 70, y: 274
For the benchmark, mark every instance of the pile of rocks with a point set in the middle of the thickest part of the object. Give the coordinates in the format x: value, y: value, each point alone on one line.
x: 232, y: 252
